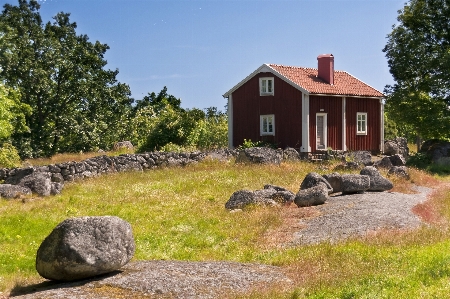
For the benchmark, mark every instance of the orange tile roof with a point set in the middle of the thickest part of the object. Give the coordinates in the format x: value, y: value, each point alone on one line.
x: 344, y: 83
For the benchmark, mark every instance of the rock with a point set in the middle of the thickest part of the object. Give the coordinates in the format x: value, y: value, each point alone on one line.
x: 57, y: 177
x: 84, y: 247
x: 348, y: 166
x: 313, y: 196
x: 436, y: 149
x: 56, y: 188
x: 383, y: 163
x: 377, y: 181
x: 335, y: 181
x: 264, y: 197
x: 395, y: 146
x: 400, y: 171
x: 397, y: 160
x: 240, y: 199
x: 262, y: 155
x: 291, y: 154
x: 38, y: 182
x: 16, y: 175
x: 355, y: 183
x: 360, y: 157
x: 283, y: 197
x: 313, y: 179
x: 123, y: 145
x: 277, y: 188
x: 9, y: 191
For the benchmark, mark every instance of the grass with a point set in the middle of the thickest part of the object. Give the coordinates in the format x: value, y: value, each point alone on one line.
x: 178, y: 214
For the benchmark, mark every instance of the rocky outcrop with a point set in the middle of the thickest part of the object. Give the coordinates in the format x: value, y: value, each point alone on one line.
x: 312, y: 196
x: 377, y: 181
x: 260, y: 155
x: 84, y: 247
x: 355, y: 183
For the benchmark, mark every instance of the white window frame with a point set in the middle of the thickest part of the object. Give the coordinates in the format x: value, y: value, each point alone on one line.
x: 361, y: 123
x: 265, y: 130
x: 264, y: 84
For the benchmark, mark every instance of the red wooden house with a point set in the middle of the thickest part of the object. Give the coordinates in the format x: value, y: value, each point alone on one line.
x: 306, y: 108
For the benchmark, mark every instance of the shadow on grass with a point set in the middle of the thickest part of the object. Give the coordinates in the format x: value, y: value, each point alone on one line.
x: 54, y: 285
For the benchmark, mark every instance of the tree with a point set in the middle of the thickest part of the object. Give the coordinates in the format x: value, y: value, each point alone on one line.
x: 77, y: 104
x: 159, y: 102
x: 418, y: 53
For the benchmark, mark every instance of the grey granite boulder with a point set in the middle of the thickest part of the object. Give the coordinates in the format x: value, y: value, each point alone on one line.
x: 313, y: 196
x: 377, y: 181
x: 398, y: 145
x: 312, y: 179
x: 355, y: 183
x: 240, y: 199
x: 360, y: 157
x: 291, y: 154
x: 38, y: 182
x: 282, y: 195
x: 400, y: 171
x: 84, y: 247
x: 383, y: 163
x: 335, y: 181
x: 17, y: 174
x: 9, y: 191
x: 261, y: 155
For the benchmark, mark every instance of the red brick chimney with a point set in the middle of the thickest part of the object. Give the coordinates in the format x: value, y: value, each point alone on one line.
x: 326, y: 68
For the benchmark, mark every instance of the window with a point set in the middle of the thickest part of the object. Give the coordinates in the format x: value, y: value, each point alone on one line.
x: 361, y: 123
x: 266, y: 86
x: 267, y: 124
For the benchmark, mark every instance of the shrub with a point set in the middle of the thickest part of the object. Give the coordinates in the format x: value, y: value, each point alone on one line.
x: 9, y: 157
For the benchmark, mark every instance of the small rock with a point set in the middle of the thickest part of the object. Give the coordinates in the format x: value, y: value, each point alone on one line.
x: 9, y: 191
x: 38, y: 182
x: 383, y: 163
x: 377, y: 181
x: 400, y: 171
x: 240, y: 199
x: 84, y: 247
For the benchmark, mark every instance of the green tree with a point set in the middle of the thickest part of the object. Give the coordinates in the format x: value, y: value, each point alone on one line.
x: 77, y: 104
x: 418, y: 53
x: 159, y: 101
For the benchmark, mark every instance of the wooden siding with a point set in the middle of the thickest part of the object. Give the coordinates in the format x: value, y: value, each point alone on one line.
x: 332, y: 106
x: 285, y: 104
x: 371, y: 141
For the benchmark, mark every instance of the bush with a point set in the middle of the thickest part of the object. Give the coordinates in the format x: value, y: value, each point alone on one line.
x: 9, y: 157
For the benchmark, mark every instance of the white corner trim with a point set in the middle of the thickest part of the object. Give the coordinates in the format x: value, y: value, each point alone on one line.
x: 230, y: 121
x: 306, y: 147
x: 344, y: 124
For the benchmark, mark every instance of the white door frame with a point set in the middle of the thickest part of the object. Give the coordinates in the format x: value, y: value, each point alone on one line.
x: 324, y: 131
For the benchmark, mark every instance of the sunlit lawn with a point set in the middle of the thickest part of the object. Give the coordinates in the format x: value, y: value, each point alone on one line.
x: 178, y: 213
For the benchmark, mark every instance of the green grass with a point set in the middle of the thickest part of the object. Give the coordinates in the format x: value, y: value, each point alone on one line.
x: 179, y: 214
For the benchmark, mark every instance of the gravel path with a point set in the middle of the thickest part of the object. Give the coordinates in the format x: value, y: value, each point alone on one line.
x: 345, y: 216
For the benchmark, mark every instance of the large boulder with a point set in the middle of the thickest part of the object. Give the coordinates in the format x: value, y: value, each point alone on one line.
x: 436, y: 149
x: 313, y: 196
x: 395, y: 146
x: 84, y: 247
x: 38, y: 182
x: 9, y: 191
x: 262, y: 155
x: 335, y: 181
x: 355, y: 183
x: 17, y: 174
x: 377, y: 181
x: 312, y: 179
x: 240, y: 199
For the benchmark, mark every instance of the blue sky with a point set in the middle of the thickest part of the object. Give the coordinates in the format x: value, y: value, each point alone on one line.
x: 201, y: 49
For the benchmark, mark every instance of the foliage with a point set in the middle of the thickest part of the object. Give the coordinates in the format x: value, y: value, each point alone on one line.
x: 248, y: 143
x: 159, y: 101
x: 210, y: 132
x: 418, y: 53
x: 77, y: 105
x: 9, y: 157
x: 12, y: 113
